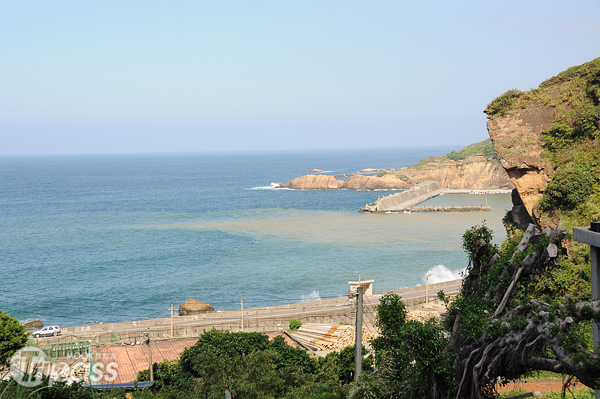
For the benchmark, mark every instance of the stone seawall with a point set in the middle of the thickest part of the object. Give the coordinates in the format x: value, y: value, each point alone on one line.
x: 256, y: 319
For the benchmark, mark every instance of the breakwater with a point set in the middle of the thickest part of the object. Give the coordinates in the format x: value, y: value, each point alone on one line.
x: 407, y: 201
x: 459, y: 208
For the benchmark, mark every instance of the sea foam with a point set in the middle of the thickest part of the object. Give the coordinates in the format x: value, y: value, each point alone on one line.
x: 313, y: 296
x: 441, y: 273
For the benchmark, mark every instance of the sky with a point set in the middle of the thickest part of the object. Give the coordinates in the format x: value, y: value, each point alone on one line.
x: 191, y: 76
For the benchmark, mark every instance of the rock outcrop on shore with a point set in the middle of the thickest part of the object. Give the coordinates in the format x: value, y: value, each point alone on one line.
x: 193, y: 306
x: 386, y: 182
x: 474, y: 167
x: 34, y: 324
x: 313, y: 182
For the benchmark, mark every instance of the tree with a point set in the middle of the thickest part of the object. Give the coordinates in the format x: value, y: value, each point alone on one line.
x: 411, y: 357
x: 251, y: 366
x: 503, y: 327
x: 12, y: 337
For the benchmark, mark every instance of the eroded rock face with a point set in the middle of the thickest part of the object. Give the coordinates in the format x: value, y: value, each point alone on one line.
x: 193, y: 306
x: 474, y: 172
x: 386, y: 182
x: 517, y: 143
x: 315, y: 182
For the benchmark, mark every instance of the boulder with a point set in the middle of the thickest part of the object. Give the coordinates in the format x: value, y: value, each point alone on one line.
x: 193, y: 306
x: 315, y: 182
x: 34, y: 324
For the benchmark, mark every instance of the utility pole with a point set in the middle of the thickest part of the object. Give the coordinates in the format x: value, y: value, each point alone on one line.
x: 91, y: 363
x: 242, y: 301
x: 172, y: 335
x: 150, y: 355
x: 358, y: 335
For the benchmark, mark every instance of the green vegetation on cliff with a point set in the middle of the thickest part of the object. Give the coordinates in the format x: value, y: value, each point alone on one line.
x: 483, y: 148
x: 527, y: 305
x: 571, y: 143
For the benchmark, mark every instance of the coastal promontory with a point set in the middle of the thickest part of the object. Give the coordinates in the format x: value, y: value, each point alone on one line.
x: 547, y: 141
x: 474, y: 167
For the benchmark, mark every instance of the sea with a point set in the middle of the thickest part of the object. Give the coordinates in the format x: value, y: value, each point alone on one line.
x: 109, y: 238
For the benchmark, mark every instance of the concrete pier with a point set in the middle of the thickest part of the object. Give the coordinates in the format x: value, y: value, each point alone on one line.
x: 407, y: 201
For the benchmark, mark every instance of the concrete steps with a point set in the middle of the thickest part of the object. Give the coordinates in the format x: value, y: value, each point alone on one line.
x: 320, y: 336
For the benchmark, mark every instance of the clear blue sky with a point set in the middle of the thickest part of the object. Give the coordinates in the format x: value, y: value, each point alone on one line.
x: 146, y: 76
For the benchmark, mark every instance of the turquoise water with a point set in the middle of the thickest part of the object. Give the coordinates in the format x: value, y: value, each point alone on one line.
x: 100, y: 239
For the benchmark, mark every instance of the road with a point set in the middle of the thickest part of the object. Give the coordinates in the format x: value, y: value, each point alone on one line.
x: 249, y: 314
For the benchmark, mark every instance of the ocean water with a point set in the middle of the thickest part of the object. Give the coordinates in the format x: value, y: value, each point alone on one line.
x: 97, y: 239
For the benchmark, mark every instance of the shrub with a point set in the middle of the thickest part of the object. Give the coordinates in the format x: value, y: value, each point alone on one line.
x: 586, y: 124
x: 501, y: 105
x: 558, y: 136
x: 12, y: 337
x: 593, y: 84
x: 569, y: 188
x: 295, y: 324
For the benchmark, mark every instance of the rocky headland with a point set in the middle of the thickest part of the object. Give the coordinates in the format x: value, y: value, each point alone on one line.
x: 546, y: 132
x: 474, y: 167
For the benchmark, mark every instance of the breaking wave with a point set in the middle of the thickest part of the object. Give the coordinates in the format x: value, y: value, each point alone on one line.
x: 313, y: 296
x: 441, y: 273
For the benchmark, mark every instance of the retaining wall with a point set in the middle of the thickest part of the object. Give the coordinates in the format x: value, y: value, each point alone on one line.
x: 161, y: 328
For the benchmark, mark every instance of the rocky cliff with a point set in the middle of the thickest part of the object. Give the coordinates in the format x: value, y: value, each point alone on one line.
x: 550, y: 131
x: 474, y: 167
x: 517, y: 142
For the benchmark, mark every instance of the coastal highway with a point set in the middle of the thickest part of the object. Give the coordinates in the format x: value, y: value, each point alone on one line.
x: 284, y: 311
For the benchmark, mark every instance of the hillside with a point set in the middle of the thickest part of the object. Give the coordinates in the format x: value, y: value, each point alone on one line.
x: 527, y: 305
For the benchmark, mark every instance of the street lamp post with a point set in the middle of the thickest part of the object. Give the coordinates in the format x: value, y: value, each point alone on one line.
x: 242, y: 301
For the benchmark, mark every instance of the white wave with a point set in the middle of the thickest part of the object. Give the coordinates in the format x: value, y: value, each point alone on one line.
x: 261, y: 188
x: 441, y: 273
x: 313, y: 296
x: 273, y: 186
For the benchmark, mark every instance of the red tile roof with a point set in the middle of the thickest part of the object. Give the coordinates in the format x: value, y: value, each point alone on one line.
x: 134, y: 358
